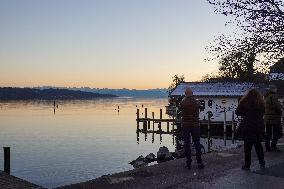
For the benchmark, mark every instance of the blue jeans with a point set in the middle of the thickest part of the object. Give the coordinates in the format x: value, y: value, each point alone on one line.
x: 187, y: 133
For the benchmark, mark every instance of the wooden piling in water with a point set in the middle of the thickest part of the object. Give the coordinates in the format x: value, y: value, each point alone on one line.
x: 233, y: 127
x: 208, y: 133
x: 146, y: 112
x: 7, y: 165
x: 153, y: 116
x: 168, y: 126
x: 137, y: 113
x: 137, y: 133
x: 161, y: 117
x: 145, y: 123
x: 225, y: 127
x: 148, y: 124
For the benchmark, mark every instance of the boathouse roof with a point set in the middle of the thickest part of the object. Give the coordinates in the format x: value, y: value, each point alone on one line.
x: 220, y: 89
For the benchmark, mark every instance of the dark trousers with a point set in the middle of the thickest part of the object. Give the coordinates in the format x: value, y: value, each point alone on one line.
x: 273, y: 133
x: 258, y: 149
x: 187, y: 132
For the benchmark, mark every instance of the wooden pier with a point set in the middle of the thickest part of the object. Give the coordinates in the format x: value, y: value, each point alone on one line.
x: 10, y: 182
x: 225, y: 129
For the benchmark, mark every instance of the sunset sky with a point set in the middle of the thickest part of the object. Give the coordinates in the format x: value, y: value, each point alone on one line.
x: 105, y: 43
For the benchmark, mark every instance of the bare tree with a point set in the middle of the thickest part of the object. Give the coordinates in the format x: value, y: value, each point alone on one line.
x: 176, y: 80
x: 260, y: 34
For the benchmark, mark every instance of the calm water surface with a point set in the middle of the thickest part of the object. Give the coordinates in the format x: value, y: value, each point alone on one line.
x: 82, y: 140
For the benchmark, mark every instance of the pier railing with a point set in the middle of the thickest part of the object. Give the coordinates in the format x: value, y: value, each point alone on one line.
x: 173, y: 125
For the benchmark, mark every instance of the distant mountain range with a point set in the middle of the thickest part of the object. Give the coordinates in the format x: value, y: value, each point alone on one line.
x: 9, y: 93
x: 147, y: 93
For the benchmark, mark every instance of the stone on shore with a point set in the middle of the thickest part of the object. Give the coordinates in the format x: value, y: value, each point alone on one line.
x: 164, y: 154
x: 150, y: 158
x: 139, y: 162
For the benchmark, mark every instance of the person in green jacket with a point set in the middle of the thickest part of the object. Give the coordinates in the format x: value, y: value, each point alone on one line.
x: 272, y: 118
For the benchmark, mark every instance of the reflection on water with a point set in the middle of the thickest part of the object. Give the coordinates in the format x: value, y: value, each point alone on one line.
x: 80, y: 140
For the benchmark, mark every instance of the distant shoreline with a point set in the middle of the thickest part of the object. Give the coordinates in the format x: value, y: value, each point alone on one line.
x: 10, y: 93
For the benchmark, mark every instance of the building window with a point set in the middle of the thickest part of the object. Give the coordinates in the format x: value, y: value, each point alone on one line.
x: 202, y: 105
x: 210, y: 103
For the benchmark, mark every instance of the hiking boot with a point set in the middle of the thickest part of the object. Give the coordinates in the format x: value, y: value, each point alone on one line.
x: 268, y: 147
x: 275, y: 149
x: 200, y: 166
x: 246, y: 167
x: 188, y: 166
x: 262, y: 166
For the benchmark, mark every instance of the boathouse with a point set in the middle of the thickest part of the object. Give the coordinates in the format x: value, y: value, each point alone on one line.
x: 219, y: 97
x: 216, y: 98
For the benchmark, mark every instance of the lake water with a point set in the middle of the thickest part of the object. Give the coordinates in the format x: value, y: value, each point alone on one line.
x: 82, y: 140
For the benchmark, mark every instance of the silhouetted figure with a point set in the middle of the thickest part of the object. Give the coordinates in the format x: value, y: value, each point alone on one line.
x: 272, y: 117
x: 251, y: 109
x: 189, y: 107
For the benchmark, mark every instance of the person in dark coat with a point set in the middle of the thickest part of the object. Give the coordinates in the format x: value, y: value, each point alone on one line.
x: 189, y: 107
x: 272, y: 117
x: 251, y: 109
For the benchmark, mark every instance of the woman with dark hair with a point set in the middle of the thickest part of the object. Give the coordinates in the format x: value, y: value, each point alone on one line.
x: 251, y: 108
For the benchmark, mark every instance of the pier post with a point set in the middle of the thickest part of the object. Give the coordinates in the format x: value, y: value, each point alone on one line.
x: 146, y: 112
x: 153, y: 116
x: 149, y: 122
x: 54, y: 105
x: 208, y: 133
x: 233, y: 127
x: 168, y: 126
x: 137, y: 133
x: 161, y: 117
x: 145, y: 136
x: 175, y: 119
x: 145, y: 123
x: 225, y: 127
x: 153, y: 130
x: 137, y: 119
x: 7, y: 166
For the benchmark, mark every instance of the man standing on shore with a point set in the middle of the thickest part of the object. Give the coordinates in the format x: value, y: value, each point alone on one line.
x: 272, y: 117
x: 189, y: 107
